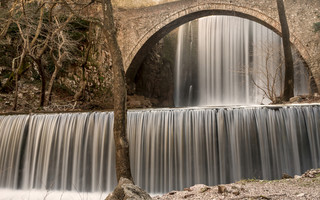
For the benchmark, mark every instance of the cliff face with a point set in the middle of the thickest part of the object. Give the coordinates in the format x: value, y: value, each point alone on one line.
x: 155, y: 78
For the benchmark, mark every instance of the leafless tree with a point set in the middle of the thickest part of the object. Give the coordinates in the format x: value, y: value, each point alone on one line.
x: 83, y: 83
x: 268, y: 78
x: 7, y: 20
x: 37, y: 29
x: 61, y: 50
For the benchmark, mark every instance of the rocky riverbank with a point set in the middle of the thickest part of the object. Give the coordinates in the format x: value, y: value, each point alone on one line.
x: 306, y: 186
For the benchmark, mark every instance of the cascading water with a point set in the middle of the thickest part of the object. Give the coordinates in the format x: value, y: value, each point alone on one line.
x: 169, y: 149
x: 64, y: 151
x: 225, y: 60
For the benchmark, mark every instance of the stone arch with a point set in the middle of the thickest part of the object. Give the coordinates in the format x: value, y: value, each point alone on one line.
x: 149, y: 38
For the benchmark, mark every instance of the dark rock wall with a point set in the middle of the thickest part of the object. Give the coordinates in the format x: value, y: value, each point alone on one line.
x: 155, y: 77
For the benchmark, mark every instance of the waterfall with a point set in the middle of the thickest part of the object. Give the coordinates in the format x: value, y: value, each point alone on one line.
x: 57, y: 151
x: 227, y: 61
x: 185, y: 62
x: 169, y: 148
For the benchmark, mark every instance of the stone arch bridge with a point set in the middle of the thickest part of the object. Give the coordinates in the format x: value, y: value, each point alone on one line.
x: 141, y: 28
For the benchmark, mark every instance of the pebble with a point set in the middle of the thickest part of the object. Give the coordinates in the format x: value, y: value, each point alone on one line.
x: 222, y: 189
x: 297, y: 177
x: 236, y: 192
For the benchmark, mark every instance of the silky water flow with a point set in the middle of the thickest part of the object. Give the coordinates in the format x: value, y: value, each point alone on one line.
x: 225, y: 60
x: 169, y: 148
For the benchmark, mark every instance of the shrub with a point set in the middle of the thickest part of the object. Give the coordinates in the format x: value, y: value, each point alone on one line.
x: 316, y: 26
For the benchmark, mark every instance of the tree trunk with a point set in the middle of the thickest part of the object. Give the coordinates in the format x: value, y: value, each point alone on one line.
x: 80, y: 93
x: 83, y: 84
x: 50, y: 85
x: 8, y: 86
x: 15, y: 102
x: 289, y: 73
x: 4, y: 3
x: 120, y: 95
x: 43, y: 82
x: 20, y: 69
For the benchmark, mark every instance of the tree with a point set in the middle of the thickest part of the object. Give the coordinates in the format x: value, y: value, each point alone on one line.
x: 30, y: 28
x: 119, y: 92
x: 268, y: 77
x: 16, y: 70
x: 38, y: 26
x: 123, y: 171
x: 83, y: 65
x: 7, y: 38
x: 289, y: 72
x: 63, y: 47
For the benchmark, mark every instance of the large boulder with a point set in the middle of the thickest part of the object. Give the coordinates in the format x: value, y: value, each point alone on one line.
x: 126, y: 190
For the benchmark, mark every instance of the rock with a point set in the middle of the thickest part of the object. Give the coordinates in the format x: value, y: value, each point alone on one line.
x: 155, y: 78
x: 137, y: 101
x: 126, y: 190
x: 236, y: 192
x: 295, y: 99
x: 234, y: 187
x: 131, y: 88
x: 304, y: 188
x: 135, y: 104
x: 286, y: 176
x: 243, y: 189
x: 204, y: 189
x: 297, y: 177
x: 172, y: 193
x: 222, y: 189
x: 312, y: 173
x: 188, y: 195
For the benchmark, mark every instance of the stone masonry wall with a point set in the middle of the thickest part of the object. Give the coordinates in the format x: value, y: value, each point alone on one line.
x: 141, y: 28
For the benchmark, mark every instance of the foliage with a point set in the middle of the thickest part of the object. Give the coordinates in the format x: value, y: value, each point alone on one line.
x: 316, y: 27
x: 62, y: 88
